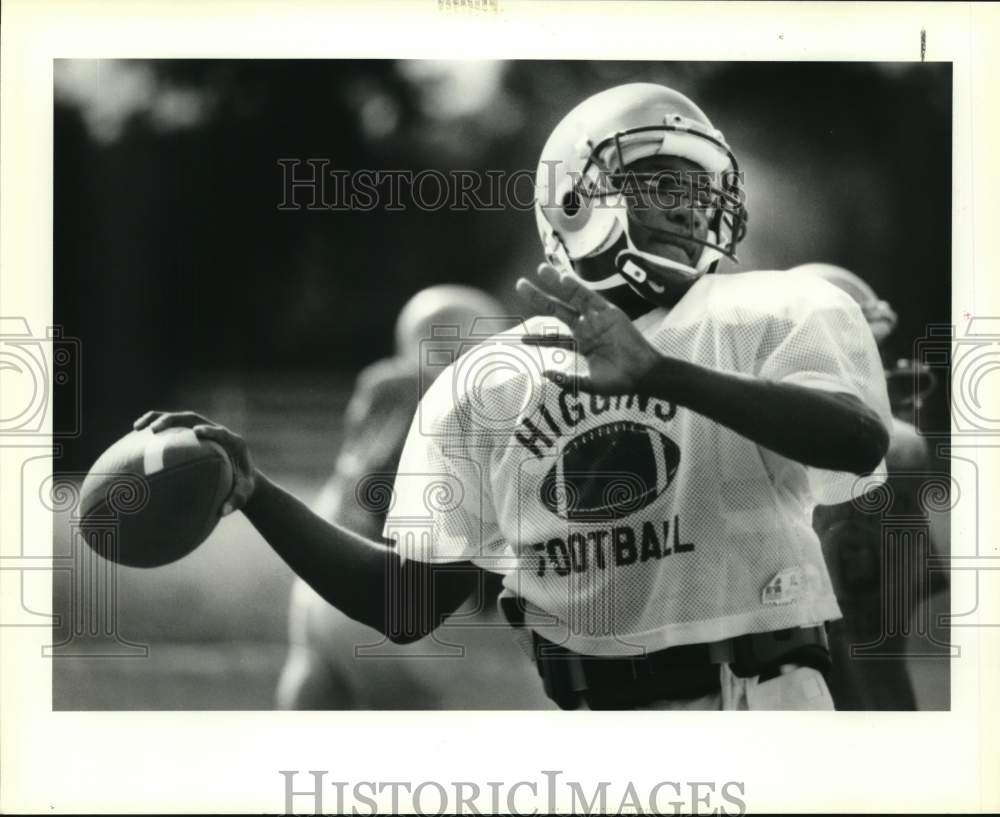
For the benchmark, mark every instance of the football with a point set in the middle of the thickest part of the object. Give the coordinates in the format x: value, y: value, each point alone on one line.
x: 610, y: 472
x: 151, y: 499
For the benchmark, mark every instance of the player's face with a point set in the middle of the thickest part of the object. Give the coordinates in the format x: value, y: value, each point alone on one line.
x: 669, y: 200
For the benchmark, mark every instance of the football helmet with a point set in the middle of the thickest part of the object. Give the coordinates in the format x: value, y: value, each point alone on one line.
x: 585, y: 194
x: 909, y: 382
x: 880, y: 316
x: 440, y: 322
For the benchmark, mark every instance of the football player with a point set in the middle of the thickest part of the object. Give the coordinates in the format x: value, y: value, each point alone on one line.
x: 333, y: 661
x: 878, y: 589
x: 641, y: 461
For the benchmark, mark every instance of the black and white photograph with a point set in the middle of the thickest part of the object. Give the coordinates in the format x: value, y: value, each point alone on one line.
x: 555, y: 394
x: 419, y: 314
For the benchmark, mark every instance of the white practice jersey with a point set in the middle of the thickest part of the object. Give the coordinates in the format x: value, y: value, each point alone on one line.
x: 630, y: 523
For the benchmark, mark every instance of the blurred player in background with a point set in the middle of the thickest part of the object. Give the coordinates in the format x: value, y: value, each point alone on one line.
x: 322, y: 670
x: 868, y: 583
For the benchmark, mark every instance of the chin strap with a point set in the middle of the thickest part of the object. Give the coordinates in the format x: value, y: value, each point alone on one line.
x: 640, y: 263
x: 637, y: 265
x: 633, y: 266
x: 641, y: 267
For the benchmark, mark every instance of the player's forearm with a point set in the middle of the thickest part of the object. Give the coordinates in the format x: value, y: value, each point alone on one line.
x: 349, y: 571
x: 816, y: 428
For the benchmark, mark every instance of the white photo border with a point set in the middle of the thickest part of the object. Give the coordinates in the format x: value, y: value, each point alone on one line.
x: 228, y: 762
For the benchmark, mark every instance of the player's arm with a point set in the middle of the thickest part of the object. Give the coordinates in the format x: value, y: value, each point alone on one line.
x: 366, y: 580
x: 818, y: 428
x: 836, y: 432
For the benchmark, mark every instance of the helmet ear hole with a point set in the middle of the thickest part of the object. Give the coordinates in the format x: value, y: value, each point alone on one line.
x: 571, y: 203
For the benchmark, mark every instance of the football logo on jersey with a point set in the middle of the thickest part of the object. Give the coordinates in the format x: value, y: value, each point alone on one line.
x: 610, y: 472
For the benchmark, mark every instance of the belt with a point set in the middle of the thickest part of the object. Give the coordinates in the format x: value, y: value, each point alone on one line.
x: 682, y: 672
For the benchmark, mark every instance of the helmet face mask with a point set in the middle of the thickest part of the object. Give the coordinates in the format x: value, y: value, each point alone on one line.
x: 665, y: 181
x: 910, y: 383
x: 636, y: 187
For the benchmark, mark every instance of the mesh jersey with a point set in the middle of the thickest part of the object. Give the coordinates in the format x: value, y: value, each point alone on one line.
x: 628, y: 523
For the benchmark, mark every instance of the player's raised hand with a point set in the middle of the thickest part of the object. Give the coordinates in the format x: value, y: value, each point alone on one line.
x: 234, y: 445
x: 617, y: 354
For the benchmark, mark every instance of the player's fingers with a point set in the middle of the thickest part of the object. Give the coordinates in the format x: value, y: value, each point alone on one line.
x: 570, y: 290
x: 571, y: 382
x: 208, y: 431
x: 549, y: 280
x: 239, y: 498
x: 232, y: 443
x: 145, y: 420
x: 233, y: 503
x: 551, y: 341
x: 183, y: 419
x: 235, y: 448
x: 544, y: 302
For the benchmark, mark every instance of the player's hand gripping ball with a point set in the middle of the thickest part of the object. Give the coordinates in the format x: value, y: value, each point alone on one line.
x: 156, y: 494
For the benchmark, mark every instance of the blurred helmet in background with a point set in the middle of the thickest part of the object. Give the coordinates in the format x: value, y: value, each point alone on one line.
x: 909, y: 382
x: 448, y: 314
x: 583, y: 204
x: 880, y: 315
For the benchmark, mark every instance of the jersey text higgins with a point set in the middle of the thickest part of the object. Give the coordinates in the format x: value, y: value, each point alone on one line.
x: 575, y: 408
